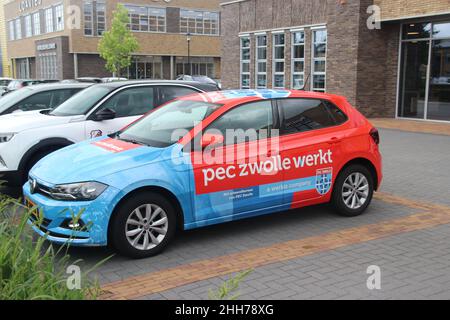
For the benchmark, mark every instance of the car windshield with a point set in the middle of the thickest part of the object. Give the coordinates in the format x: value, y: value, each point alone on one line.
x: 161, y: 128
x: 14, y: 97
x: 4, y: 83
x: 82, y: 102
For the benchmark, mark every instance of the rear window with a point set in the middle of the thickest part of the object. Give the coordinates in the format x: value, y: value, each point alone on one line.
x: 302, y: 115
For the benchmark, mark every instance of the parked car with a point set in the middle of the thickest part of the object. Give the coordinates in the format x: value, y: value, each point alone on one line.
x: 135, y: 187
x: 26, y: 137
x: 4, y: 82
x: 198, y: 78
x: 39, y: 97
x: 113, y: 79
x: 89, y: 80
x: 21, y: 83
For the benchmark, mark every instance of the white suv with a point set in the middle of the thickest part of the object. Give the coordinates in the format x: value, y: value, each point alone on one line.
x: 102, y: 109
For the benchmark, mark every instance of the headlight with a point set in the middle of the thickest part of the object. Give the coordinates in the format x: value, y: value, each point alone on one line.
x: 5, y: 137
x: 85, y: 191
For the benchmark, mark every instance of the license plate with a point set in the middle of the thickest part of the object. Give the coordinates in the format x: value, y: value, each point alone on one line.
x: 35, y: 212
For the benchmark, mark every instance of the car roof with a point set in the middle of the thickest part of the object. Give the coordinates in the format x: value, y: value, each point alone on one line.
x: 230, y: 96
x: 56, y: 86
x: 121, y: 84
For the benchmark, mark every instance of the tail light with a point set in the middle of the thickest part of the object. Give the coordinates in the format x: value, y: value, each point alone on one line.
x: 375, y: 135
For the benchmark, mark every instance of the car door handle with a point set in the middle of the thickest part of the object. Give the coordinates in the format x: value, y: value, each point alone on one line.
x: 334, y: 140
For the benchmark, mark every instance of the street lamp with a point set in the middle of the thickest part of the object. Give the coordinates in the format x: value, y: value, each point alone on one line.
x: 188, y: 39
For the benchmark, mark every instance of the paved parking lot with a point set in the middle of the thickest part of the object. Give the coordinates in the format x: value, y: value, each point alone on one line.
x: 312, y: 253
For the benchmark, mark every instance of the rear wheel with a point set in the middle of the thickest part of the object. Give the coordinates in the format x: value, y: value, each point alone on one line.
x: 353, y: 191
x: 143, y: 225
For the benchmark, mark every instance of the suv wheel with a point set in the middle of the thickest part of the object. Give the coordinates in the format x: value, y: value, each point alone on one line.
x: 353, y: 191
x: 32, y: 161
x: 143, y: 225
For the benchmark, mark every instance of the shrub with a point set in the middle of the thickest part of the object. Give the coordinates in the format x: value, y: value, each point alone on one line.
x: 31, y: 270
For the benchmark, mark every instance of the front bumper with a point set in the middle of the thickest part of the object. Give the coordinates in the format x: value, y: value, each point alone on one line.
x: 94, y: 214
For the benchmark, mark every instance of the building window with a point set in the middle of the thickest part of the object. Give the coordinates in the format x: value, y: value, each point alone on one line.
x: 12, y: 34
x: 278, y: 60
x: 48, y: 66
x: 298, y: 60
x: 59, y: 15
x: 147, y: 19
x: 36, y: 24
x: 88, y: 12
x: 144, y: 68
x: 28, y: 27
x: 198, y: 67
x: 18, y: 29
x: 261, y: 61
x: 245, y: 63
x: 100, y: 11
x: 199, y: 22
x: 49, y: 26
x: 319, y: 59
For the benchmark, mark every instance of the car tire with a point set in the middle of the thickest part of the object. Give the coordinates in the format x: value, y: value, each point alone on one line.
x: 138, y: 230
x: 353, y: 191
x: 35, y: 158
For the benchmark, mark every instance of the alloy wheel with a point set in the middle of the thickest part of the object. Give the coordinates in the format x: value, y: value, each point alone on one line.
x: 355, y: 190
x: 146, y: 227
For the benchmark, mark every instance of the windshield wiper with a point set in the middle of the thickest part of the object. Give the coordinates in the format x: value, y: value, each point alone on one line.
x: 131, y: 141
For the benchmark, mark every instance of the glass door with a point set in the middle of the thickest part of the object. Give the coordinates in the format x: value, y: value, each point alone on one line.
x: 424, y: 91
x: 413, y: 82
x: 439, y: 92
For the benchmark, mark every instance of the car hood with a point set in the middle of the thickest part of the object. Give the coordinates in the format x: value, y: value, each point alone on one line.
x: 20, y: 121
x: 93, y: 159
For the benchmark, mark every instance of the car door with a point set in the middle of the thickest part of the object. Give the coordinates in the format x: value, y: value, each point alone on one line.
x: 129, y: 104
x: 229, y: 179
x: 311, y: 141
x: 171, y: 92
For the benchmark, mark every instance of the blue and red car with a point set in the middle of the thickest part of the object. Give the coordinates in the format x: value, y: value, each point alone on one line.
x: 206, y: 159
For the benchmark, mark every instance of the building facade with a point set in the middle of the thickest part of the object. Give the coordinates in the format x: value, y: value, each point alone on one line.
x: 58, y: 39
x: 5, y: 68
x: 390, y: 58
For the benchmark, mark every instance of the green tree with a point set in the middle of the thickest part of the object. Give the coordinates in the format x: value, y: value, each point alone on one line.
x: 118, y: 44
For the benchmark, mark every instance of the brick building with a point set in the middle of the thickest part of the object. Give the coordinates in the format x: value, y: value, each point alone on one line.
x: 58, y: 39
x: 401, y: 69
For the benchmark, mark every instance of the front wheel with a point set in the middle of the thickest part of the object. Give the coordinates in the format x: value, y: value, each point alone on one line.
x: 353, y: 191
x: 143, y: 225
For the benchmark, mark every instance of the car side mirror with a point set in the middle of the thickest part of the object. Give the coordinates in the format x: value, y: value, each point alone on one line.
x: 105, y: 114
x: 211, y: 140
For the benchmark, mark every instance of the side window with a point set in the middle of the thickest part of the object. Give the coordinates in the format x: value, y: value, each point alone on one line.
x: 59, y: 96
x: 37, y: 101
x: 131, y: 102
x: 255, y: 119
x: 337, y: 113
x: 302, y: 115
x: 168, y: 93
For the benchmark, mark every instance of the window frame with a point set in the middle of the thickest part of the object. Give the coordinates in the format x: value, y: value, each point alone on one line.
x: 49, y: 20
x: 12, y: 30
x: 275, y: 61
x: 88, y: 24
x: 245, y: 61
x: 18, y: 28
x: 282, y: 119
x: 294, y: 60
x: 258, y: 60
x: 191, y: 22
x: 28, y: 26
x: 36, y: 23
x: 59, y: 13
x: 318, y: 59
